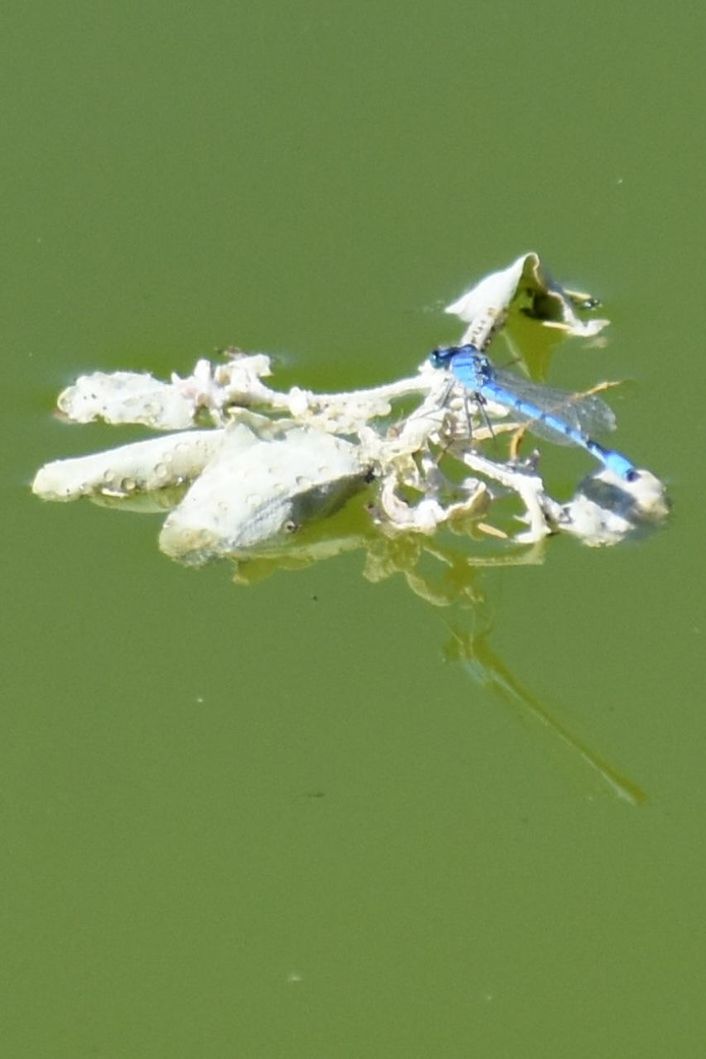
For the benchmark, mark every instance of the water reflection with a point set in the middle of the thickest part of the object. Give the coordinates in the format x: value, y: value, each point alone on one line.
x: 489, y: 671
x: 447, y: 576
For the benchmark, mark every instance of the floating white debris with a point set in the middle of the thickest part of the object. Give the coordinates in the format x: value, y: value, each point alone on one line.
x: 126, y: 397
x: 144, y: 467
x: 486, y: 305
x: 260, y: 487
x: 607, y: 509
x: 256, y: 476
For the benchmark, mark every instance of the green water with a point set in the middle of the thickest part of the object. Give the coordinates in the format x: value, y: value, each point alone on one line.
x: 296, y: 820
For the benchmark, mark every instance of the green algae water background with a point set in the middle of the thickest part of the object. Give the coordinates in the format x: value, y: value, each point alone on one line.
x: 318, y: 817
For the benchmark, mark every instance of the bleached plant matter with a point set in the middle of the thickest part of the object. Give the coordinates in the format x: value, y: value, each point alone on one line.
x: 243, y: 465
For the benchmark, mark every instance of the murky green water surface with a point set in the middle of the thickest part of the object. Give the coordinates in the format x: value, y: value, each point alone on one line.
x: 319, y: 817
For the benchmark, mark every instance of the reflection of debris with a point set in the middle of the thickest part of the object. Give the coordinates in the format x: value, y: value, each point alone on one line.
x: 272, y: 461
x: 489, y: 671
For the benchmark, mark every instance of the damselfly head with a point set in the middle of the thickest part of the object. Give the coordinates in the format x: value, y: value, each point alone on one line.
x: 442, y: 357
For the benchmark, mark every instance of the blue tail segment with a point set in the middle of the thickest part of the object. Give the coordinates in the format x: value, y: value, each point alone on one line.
x: 556, y: 415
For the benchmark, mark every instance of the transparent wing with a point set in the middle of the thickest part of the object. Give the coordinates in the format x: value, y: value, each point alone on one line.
x: 586, y: 413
